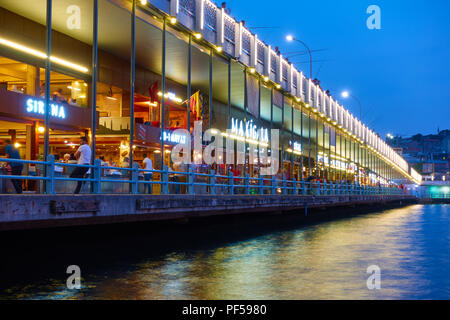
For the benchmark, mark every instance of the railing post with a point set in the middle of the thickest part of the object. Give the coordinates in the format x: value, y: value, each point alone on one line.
x: 294, y: 183
x: 190, y: 180
x: 212, y: 182
x: 303, y: 187
x: 97, y: 176
x: 261, y: 184
x: 50, y: 184
x: 134, y: 178
x: 247, y: 184
x: 274, y: 185
x: 230, y: 182
x: 284, y: 183
x: 165, y: 180
x: 325, y: 189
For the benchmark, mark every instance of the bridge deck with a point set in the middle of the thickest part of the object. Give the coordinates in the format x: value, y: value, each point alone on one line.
x: 44, y: 211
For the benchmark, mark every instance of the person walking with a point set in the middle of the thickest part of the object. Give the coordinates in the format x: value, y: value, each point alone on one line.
x: 148, y: 165
x: 16, y: 167
x: 83, y: 156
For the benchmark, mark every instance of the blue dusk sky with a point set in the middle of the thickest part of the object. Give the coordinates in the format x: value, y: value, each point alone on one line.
x: 400, y: 73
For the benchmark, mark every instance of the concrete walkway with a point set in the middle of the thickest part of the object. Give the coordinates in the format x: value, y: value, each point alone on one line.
x: 47, y: 211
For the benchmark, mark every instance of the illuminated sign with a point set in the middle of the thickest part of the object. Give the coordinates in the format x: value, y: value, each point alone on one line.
x: 172, y: 137
x: 38, y: 106
x: 249, y: 130
x: 171, y: 96
x: 296, y: 146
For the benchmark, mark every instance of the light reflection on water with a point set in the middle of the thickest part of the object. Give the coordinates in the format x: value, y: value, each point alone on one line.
x: 321, y: 261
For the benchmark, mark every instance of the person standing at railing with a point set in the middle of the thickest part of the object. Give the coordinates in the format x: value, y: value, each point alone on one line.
x: 16, y: 167
x: 83, y: 156
x: 148, y: 175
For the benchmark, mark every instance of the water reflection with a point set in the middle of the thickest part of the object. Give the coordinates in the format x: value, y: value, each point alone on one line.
x: 322, y: 261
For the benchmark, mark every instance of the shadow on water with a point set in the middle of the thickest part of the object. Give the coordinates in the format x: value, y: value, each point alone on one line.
x: 33, y: 255
x: 34, y: 262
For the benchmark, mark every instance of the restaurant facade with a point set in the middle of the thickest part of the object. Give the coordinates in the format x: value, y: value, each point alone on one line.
x: 129, y: 74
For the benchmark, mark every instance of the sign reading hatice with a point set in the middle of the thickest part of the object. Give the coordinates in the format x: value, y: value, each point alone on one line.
x: 38, y: 107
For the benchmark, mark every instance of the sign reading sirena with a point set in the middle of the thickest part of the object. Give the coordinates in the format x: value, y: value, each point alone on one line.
x: 38, y: 106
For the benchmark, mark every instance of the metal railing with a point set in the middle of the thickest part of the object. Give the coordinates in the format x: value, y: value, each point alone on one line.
x: 182, y: 182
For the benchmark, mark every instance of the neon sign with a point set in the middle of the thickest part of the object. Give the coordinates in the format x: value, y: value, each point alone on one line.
x: 172, y: 137
x: 38, y: 106
x: 296, y: 146
x: 249, y: 130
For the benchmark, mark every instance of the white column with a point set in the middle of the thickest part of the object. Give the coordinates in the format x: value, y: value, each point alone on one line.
x: 238, y: 40
x: 220, y: 26
x: 268, y: 62
x: 199, y: 14
x: 290, y: 81
x: 174, y: 7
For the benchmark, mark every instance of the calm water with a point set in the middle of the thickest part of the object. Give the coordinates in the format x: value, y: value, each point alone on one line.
x: 327, y: 260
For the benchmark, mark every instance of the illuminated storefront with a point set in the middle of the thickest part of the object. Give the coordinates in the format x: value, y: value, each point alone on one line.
x: 216, y: 72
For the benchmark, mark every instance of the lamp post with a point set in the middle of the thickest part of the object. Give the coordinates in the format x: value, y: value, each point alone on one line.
x: 346, y: 94
x: 291, y: 38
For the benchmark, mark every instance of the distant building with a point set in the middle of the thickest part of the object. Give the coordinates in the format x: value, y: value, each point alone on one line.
x: 428, y: 154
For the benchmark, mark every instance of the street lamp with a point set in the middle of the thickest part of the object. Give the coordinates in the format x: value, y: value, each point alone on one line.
x: 346, y: 94
x: 291, y: 38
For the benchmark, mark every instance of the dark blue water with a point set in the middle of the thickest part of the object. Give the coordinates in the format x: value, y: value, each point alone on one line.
x: 328, y: 260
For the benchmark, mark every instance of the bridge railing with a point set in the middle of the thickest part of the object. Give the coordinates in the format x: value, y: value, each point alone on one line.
x: 57, y: 178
